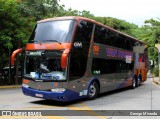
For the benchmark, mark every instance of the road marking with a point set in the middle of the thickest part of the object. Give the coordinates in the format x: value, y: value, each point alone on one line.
x: 32, y: 117
x: 37, y: 107
x: 13, y: 86
x: 93, y: 112
x: 74, y: 108
x: 42, y: 107
x: 84, y: 107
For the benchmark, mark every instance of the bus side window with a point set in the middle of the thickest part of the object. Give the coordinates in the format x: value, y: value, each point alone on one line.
x: 128, y: 44
x: 84, y: 31
x: 108, y: 66
x: 80, y: 49
x: 103, y: 35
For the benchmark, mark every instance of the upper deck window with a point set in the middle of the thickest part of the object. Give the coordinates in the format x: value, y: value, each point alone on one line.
x: 53, y: 31
x: 106, y: 36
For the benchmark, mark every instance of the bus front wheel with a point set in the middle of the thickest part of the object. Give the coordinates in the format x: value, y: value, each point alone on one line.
x: 93, y: 91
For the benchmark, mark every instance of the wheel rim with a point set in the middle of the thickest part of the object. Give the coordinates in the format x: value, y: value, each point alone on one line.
x: 92, y: 90
x: 134, y: 83
x: 139, y: 81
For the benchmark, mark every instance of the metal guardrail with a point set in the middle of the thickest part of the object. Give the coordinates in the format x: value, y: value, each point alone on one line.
x: 7, y: 76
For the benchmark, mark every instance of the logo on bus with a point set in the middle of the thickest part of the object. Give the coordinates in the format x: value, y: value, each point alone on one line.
x: 96, y: 49
x: 78, y: 44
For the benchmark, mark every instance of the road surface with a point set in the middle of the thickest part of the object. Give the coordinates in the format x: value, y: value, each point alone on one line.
x: 145, y: 97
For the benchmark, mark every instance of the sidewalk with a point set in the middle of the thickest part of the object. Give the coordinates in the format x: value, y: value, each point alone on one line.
x: 156, y: 80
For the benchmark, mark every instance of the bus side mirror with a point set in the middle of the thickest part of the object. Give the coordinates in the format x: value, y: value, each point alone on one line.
x: 64, y: 58
x: 14, y: 55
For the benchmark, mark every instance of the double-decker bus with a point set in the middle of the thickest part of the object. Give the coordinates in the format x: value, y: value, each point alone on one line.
x: 68, y: 58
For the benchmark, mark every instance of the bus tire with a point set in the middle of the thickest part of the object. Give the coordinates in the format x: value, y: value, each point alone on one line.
x: 93, y: 91
x: 138, y: 82
x: 133, y: 83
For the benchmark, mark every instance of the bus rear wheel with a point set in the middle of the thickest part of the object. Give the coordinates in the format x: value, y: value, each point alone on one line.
x: 134, y: 83
x: 93, y: 91
x: 138, y: 82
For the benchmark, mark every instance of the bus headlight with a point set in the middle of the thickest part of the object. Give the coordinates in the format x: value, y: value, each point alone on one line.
x: 58, y: 90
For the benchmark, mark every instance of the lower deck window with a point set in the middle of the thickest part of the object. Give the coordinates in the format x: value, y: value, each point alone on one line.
x: 108, y: 66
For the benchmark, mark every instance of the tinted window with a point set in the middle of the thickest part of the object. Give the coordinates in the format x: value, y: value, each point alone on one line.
x: 53, y: 31
x: 119, y: 41
x: 80, y: 49
x: 107, y: 66
x: 129, y: 44
x: 83, y: 32
x: 108, y: 37
x: 101, y: 35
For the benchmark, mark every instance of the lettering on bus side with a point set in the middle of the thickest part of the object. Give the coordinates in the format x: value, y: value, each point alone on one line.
x: 116, y: 53
x: 111, y: 52
x: 123, y: 54
x: 77, y: 44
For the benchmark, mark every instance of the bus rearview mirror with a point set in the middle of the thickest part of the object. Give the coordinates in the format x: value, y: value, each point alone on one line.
x: 64, y: 58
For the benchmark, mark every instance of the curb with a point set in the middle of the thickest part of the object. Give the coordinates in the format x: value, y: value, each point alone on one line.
x: 158, y: 83
x: 12, y: 86
x: 155, y: 80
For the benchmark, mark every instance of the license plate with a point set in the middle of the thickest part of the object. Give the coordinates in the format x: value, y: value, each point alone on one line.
x: 38, y: 95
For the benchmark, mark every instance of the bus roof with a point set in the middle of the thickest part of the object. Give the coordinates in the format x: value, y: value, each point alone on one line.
x: 65, y: 18
x: 90, y: 20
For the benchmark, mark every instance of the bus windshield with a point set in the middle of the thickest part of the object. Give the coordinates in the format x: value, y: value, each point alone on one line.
x: 45, y: 67
x: 52, y: 31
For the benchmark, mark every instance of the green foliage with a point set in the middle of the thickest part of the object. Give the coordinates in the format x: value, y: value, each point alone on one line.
x: 39, y: 9
x: 19, y: 18
x: 120, y: 25
x: 70, y: 12
x: 6, y: 13
x: 155, y: 71
x: 153, y: 28
x: 11, y: 26
x: 150, y: 33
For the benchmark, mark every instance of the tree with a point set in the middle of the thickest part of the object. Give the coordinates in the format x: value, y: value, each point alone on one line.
x: 12, y: 25
x: 120, y: 25
x: 153, y: 26
x: 39, y: 9
x: 150, y: 33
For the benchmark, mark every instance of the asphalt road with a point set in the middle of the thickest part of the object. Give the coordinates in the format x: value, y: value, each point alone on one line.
x: 145, y: 97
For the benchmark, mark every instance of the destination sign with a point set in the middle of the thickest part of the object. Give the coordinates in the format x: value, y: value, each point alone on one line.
x: 34, y: 53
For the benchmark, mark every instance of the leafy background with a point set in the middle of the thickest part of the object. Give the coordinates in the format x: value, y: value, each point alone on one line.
x: 18, y: 18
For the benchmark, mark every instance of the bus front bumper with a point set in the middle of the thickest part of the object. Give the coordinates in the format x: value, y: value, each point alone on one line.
x: 66, y: 96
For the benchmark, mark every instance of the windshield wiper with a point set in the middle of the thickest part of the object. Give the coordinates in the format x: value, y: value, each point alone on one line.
x: 36, y: 41
x: 55, y: 78
x: 28, y: 76
x: 53, y: 41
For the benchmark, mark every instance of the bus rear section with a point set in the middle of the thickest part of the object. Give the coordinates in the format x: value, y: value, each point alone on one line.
x: 141, y: 66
